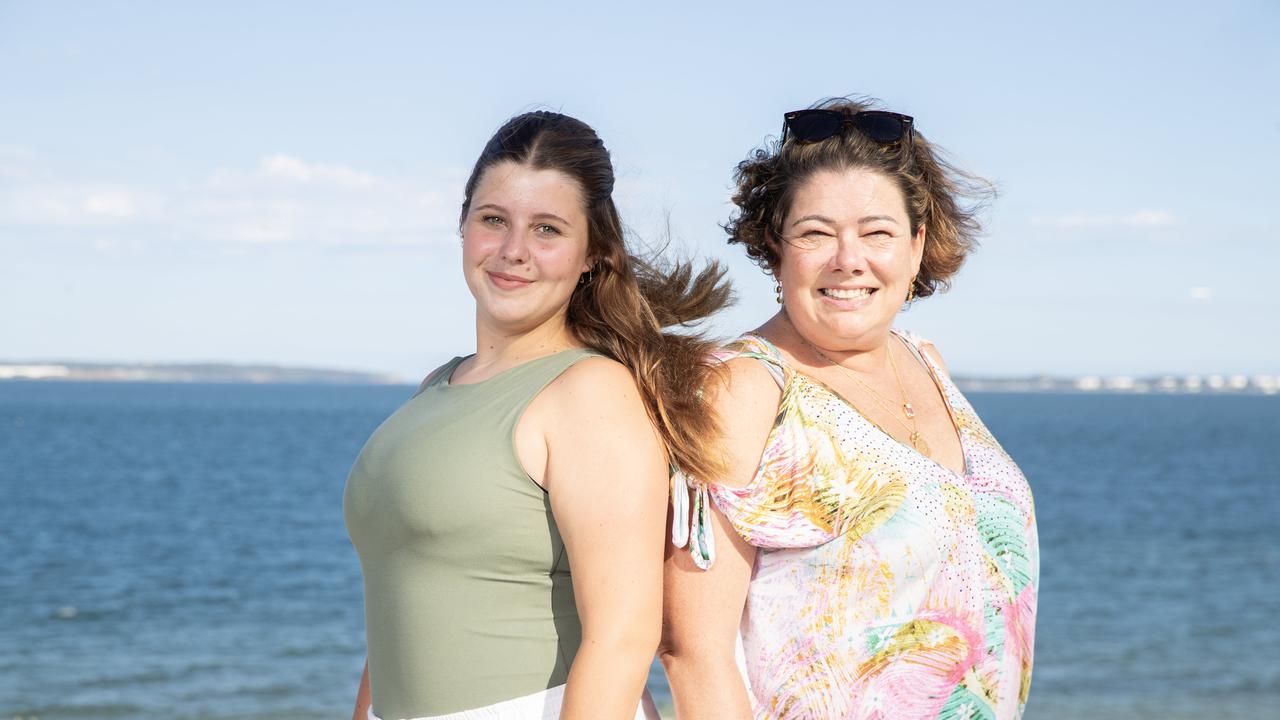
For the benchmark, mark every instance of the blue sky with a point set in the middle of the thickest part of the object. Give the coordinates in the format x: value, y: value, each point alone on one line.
x: 280, y: 184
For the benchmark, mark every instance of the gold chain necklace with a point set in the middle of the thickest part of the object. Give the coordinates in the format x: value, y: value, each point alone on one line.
x: 917, y: 440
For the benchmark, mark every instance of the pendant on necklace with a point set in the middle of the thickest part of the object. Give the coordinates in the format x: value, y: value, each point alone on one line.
x: 909, y: 411
x: 919, y: 444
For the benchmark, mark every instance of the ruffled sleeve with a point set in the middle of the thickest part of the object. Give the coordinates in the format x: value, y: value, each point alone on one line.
x: 690, y: 497
x: 818, y: 479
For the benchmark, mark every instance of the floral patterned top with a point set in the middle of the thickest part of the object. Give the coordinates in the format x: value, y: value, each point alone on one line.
x: 885, y: 585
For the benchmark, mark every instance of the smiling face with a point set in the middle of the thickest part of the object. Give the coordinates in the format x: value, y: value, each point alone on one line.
x: 524, y: 246
x: 847, y: 258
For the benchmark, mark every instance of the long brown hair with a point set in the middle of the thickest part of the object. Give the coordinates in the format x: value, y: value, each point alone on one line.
x: 944, y: 199
x: 621, y: 307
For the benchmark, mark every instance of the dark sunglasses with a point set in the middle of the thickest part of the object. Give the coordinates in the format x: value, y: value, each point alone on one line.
x: 813, y: 125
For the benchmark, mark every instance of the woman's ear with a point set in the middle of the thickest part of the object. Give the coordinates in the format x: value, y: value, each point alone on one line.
x: 772, y: 240
x: 917, y: 248
x: 774, y: 243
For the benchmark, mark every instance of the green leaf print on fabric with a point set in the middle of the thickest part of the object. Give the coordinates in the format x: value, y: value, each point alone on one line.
x: 995, y: 629
x: 964, y: 705
x: 1002, y: 530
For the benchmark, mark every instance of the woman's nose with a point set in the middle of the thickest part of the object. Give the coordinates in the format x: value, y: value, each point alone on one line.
x: 848, y: 254
x: 515, y: 246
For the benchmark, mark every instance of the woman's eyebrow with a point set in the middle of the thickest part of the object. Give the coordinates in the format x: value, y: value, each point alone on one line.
x: 539, y: 216
x: 861, y: 221
x: 874, y: 218
x: 552, y: 216
x: 819, y: 218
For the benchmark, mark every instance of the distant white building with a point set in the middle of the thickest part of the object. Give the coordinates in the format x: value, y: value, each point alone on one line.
x: 1089, y: 383
x: 33, y: 372
x: 1119, y: 382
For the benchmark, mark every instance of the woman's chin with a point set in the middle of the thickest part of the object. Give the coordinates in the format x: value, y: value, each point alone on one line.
x: 519, y: 319
x: 850, y: 326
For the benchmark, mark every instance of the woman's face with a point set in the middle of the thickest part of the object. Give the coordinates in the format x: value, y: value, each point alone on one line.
x: 524, y: 245
x: 848, y: 257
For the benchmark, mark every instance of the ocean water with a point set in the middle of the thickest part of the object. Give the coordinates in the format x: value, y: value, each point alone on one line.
x: 178, y: 551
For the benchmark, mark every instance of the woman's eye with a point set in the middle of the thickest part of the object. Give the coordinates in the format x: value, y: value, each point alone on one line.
x: 547, y: 230
x: 491, y: 220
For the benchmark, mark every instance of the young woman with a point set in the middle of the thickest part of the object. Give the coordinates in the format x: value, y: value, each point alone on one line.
x: 882, y: 558
x: 509, y: 517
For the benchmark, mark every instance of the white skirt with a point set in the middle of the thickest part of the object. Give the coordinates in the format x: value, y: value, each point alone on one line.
x: 542, y: 705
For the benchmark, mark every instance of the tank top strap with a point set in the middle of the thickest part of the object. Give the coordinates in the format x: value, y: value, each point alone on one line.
x: 912, y: 340
x: 508, y: 393
x: 439, y: 375
x: 534, y: 376
x: 501, y: 400
x: 915, y: 343
x: 750, y: 345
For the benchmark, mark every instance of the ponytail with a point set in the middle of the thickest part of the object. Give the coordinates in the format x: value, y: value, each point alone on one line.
x: 622, y: 312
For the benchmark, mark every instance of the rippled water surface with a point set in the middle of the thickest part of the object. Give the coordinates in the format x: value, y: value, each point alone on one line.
x: 178, y: 550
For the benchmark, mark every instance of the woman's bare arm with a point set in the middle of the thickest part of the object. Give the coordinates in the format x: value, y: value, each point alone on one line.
x: 606, y: 473
x: 703, y: 608
x: 363, y: 699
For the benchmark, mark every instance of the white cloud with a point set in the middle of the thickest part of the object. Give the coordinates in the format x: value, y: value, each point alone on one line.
x: 1201, y: 293
x: 291, y: 168
x: 111, y: 204
x: 267, y: 231
x: 72, y: 205
x: 281, y: 199
x: 1097, y: 221
x: 282, y: 171
x: 1149, y: 218
x: 286, y: 199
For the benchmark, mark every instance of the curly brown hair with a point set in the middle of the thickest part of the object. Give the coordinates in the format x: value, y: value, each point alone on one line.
x: 943, y: 199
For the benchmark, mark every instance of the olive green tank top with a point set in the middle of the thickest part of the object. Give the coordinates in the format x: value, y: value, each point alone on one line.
x: 467, y: 591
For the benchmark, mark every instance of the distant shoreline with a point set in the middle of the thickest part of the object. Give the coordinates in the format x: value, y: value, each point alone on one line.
x: 191, y: 373
x: 1127, y: 385
x: 274, y: 374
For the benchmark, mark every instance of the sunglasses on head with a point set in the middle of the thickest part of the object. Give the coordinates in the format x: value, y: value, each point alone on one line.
x: 814, y: 125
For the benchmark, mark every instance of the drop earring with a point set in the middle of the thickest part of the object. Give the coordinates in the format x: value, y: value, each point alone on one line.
x: 777, y: 292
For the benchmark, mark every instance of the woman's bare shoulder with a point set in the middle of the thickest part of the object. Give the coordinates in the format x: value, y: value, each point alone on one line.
x: 596, y: 374
x: 594, y: 396
x: 746, y: 399
x: 931, y: 350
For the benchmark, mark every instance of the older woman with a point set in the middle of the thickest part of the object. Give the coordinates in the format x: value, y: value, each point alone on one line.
x: 878, y: 547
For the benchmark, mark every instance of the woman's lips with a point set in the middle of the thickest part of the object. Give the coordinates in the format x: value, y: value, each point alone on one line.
x: 507, y: 282
x: 847, y: 298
